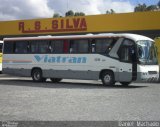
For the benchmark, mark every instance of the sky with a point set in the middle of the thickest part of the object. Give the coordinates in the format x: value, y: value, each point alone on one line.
x: 31, y: 9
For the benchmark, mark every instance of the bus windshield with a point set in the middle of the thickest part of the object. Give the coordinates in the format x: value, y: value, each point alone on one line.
x: 147, y: 53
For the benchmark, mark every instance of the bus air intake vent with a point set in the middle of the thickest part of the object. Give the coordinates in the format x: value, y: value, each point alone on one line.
x: 152, y: 72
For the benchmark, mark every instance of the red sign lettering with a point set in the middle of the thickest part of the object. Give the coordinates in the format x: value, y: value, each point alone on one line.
x: 63, y: 25
x: 21, y: 26
x: 37, y: 25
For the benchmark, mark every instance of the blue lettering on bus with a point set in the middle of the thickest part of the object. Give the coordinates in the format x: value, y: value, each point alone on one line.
x: 60, y: 59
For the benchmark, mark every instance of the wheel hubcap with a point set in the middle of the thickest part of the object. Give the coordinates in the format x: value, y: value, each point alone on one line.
x: 107, y: 78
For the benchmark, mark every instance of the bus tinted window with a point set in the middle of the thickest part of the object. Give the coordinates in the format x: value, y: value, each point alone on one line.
x: 66, y: 46
x: 56, y: 46
x: 43, y: 46
x: 127, y: 51
x: 0, y: 48
x: 8, y: 47
x: 39, y: 46
x: 79, y: 46
x: 21, y: 47
x: 34, y: 47
x: 104, y: 45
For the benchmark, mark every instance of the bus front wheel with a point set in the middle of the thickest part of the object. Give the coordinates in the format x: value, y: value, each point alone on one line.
x: 37, y: 75
x: 55, y: 80
x: 107, y: 78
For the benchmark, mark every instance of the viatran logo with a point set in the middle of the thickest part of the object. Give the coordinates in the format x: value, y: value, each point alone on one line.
x: 59, y: 59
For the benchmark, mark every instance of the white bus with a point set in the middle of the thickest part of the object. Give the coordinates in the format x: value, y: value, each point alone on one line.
x: 110, y: 57
x: 1, y: 45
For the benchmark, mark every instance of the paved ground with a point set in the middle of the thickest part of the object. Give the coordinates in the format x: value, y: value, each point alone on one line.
x: 22, y: 99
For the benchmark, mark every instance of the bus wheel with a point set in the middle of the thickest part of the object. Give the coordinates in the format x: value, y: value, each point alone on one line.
x: 37, y: 76
x: 55, y: 80
x: 107, y: 78
x: 125, y: 83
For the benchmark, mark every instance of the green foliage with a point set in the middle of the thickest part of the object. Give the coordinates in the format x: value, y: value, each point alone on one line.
x: 69, y: 13
x: 144, y: 7
x: 140, y: 7
x: 56, y: 15
x: 158, y: 4
x: 152, y: 8
x: 79, y: 14
x: 72, y: 13
x: 111, y: 11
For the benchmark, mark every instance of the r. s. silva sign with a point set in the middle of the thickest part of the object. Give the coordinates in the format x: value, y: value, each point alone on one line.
x: 55, y: 25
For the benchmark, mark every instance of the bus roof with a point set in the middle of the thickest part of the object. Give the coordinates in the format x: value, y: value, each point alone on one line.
x: 134, y: 37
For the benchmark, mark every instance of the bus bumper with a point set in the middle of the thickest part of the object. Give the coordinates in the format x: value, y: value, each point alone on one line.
x: 148, y: 77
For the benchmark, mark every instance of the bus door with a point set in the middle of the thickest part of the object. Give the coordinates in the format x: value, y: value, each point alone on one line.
x: 128, y: 61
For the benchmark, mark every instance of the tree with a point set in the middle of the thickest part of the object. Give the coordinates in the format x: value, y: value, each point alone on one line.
x: 69, y: 13
x: 82, y: 14
x: 152, y: 8
x: 111, y: 11
x: 140, y: 7
x: 107, y: 12
x: 158, y: 4
x: 79, y: 14
x: 56, y: 15
x: 143, y: 7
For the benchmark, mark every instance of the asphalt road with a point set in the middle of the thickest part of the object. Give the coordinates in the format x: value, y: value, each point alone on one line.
x: 74, y: 100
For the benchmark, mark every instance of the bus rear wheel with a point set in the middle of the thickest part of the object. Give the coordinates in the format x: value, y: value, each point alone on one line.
x: 125, y: 83
x: 37, y: 76
x: 107, y: 78
x: 55, y: 80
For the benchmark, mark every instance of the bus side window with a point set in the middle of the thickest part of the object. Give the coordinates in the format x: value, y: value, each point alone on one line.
x: 66, y: 46
x: 79, y: 46
x: 21, y: 47
x: 126, y: 51
x: 34, y: 47
x: 43, y: 46
x: 93, y: 46
x: 83, y: 46
x: 56, y: 46
x: 73, y: 47
x: 8, y: 47
x: 104, y: 45
x: 1, y: 47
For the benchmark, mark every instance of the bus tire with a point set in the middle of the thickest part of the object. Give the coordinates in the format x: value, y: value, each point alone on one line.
x: 55, y: 80
x: 37, y: 75
x: 125, y: 83
x: 107, y: 78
